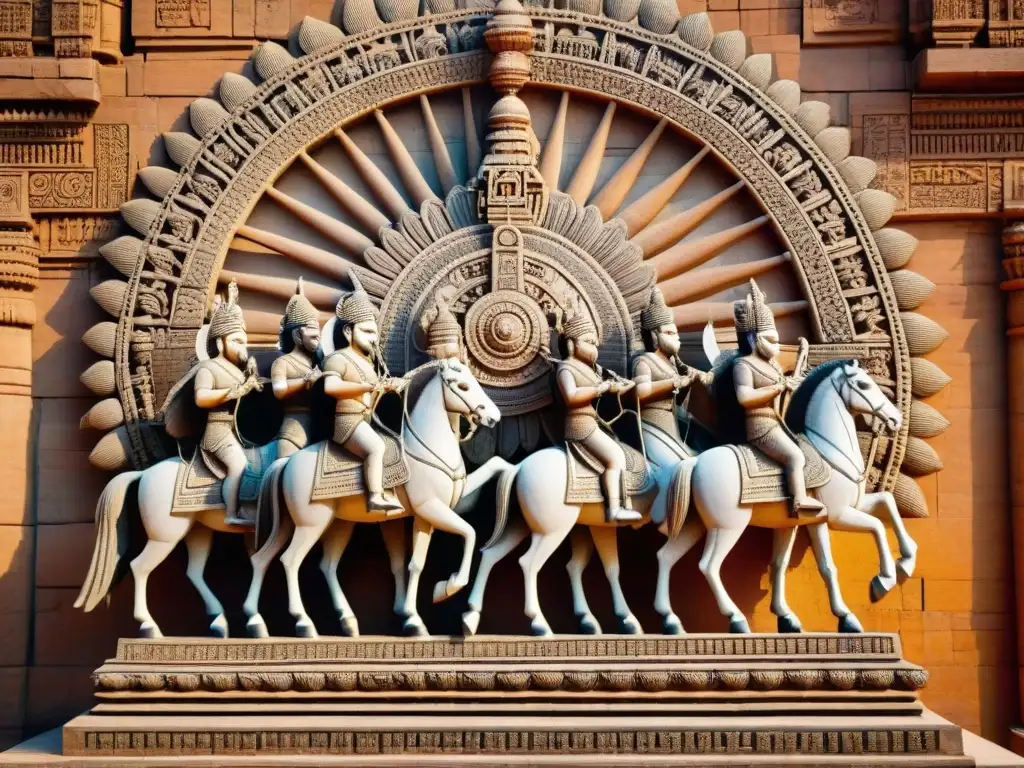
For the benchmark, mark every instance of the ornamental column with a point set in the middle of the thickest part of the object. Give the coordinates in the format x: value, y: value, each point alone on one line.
x: 1013, y: 264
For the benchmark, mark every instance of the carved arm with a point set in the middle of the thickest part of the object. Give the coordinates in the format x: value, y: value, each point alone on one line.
x: 577, y: 397
x: 750, y: 396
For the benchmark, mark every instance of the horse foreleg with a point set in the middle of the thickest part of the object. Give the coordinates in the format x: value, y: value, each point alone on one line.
x: 154, y: 553
x: 821, y: 545
x: 393, y: 533
x: 670, y: 554
x: 261, y: 560
x: 851, y: 519
x: 303, y: 539
x: 876, y: 504
x: 542, y: 546
x: 606, y: 541
x: 421, y: 533
x: 514, y: 533
x: 782, y: 551
x: 582, y: 549
x: 719, y: 544
x: 199, y: 541
x: 442, y: 517
x: 335, y: 541
x: 478, y: 478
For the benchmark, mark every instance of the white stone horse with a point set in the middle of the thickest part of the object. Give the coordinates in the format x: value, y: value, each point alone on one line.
x: 837, y: 391
x: 440, y: 394
x: 163, y: 531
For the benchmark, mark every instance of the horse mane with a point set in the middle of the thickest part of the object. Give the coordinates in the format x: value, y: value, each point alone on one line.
x: 796, y: 414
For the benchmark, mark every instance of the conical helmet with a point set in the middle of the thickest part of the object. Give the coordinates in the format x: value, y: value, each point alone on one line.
x: 753, y: 313
x: 441, y: 325
x: 227, y: 316
x: 299, y: 312
x: 576, y: 322
x: 355, y: 307
x: 656, y: 313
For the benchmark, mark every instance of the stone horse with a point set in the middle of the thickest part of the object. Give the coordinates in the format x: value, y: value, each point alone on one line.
x: 438, y: 395
x: 157, y: 495
x: 833, y: 392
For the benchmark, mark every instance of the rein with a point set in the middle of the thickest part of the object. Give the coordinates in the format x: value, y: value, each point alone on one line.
x: 875, y: 437
x: 452, y: 473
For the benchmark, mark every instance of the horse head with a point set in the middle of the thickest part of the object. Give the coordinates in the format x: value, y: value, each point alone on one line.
x: 862, y: 395
x: 464, y: 396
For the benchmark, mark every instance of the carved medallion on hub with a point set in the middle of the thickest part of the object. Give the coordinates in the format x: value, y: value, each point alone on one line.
x: 504, y: 333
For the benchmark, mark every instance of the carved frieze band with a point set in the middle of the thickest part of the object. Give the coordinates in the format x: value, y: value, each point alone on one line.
x: 815, y: 214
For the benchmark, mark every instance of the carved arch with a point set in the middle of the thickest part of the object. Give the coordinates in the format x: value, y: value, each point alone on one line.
x: 796, y: 165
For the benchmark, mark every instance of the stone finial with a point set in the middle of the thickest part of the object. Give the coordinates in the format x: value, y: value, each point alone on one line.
x: 509, y: 36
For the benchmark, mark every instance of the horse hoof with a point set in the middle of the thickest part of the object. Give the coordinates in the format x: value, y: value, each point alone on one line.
x: 789, y: 624
x: 589, y: 625
x: 849, y: 625
x: 305, y: 628
x: 628, y: 625
x: 540, y: 628
x: 671, y: 625
x: 881, y: 587
x: 445, y: 589
x: 149, y: 630
x: 470, y: 623
x: 219, y: 627
x: 349, y: 626
x: 739, y: 627
x: 905, y: 568
x: 256, y: 627
x: 414, y: 627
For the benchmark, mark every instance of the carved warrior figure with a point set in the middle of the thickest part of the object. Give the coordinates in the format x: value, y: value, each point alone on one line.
x: 759, y: 383
x: 295, y: 372
x: 444, y: 334
x: 661, y: 380
x: 581, y: 383
x: 219, y: 383
x: 353, y: 380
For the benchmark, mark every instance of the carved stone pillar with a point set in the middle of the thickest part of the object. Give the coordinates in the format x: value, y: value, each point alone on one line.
x: 19, y: 274
x: 1013, y: 263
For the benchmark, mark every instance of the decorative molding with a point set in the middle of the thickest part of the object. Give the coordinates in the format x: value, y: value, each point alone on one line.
x: 852, y: 22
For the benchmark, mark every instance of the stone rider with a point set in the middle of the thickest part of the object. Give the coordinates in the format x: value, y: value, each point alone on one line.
x: 295, y: 372
x: 660, y: 379
x: 219, y: 382
x: 759, y: 383
x: 580, y: 384
x: 351, y: 378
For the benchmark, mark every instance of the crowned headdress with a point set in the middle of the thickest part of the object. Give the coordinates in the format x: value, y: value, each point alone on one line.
x: 753, y: 313
x: 355, y: 307
x: 656, y: 313
x: 227, y: 316
x: 300, y: 312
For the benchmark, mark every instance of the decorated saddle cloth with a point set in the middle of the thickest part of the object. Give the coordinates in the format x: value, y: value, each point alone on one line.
x: 198, y: 485
x: 585, y: 471
x: 340, y: 473
x: 762, y: 479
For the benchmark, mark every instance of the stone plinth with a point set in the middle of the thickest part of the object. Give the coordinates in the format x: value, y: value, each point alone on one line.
x: 696, y: 699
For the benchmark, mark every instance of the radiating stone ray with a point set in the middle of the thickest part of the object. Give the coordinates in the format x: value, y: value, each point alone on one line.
x: 442, y: 159
x: 412, y: 178
x: 694, y: 316
x: 611, y: 195
x: 375, y: 179
x: 322, y: 261
x: 349, y: 238
x: 583, y: 178
x: 369, y: 218
x: 701, y: 283
x: 688, y: 255
x: 474, y: 156
x: 656, y: 237
x: 550, y: 166
x: 645, y: 208
x: 323, y: 296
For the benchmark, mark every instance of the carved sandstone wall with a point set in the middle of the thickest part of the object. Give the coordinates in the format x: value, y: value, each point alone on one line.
x: 73, y: 163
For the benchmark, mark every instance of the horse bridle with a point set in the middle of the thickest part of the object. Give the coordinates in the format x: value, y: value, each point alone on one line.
x: 453, y: 473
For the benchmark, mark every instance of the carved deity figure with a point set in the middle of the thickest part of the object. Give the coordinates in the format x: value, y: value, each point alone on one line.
x: 219, y: 383
x: 296, y: 371
x: 759, y: 383
x: 351, y: 377
x: 661, y: 380
x: 581, y: 383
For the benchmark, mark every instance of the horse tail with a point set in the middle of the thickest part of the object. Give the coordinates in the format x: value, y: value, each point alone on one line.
x: 111, y: 541
x: 506, y: 481
x: 268, y: 502
x: 678, y: 500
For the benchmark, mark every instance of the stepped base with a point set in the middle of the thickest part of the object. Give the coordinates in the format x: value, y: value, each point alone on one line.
x: 836, y: 700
